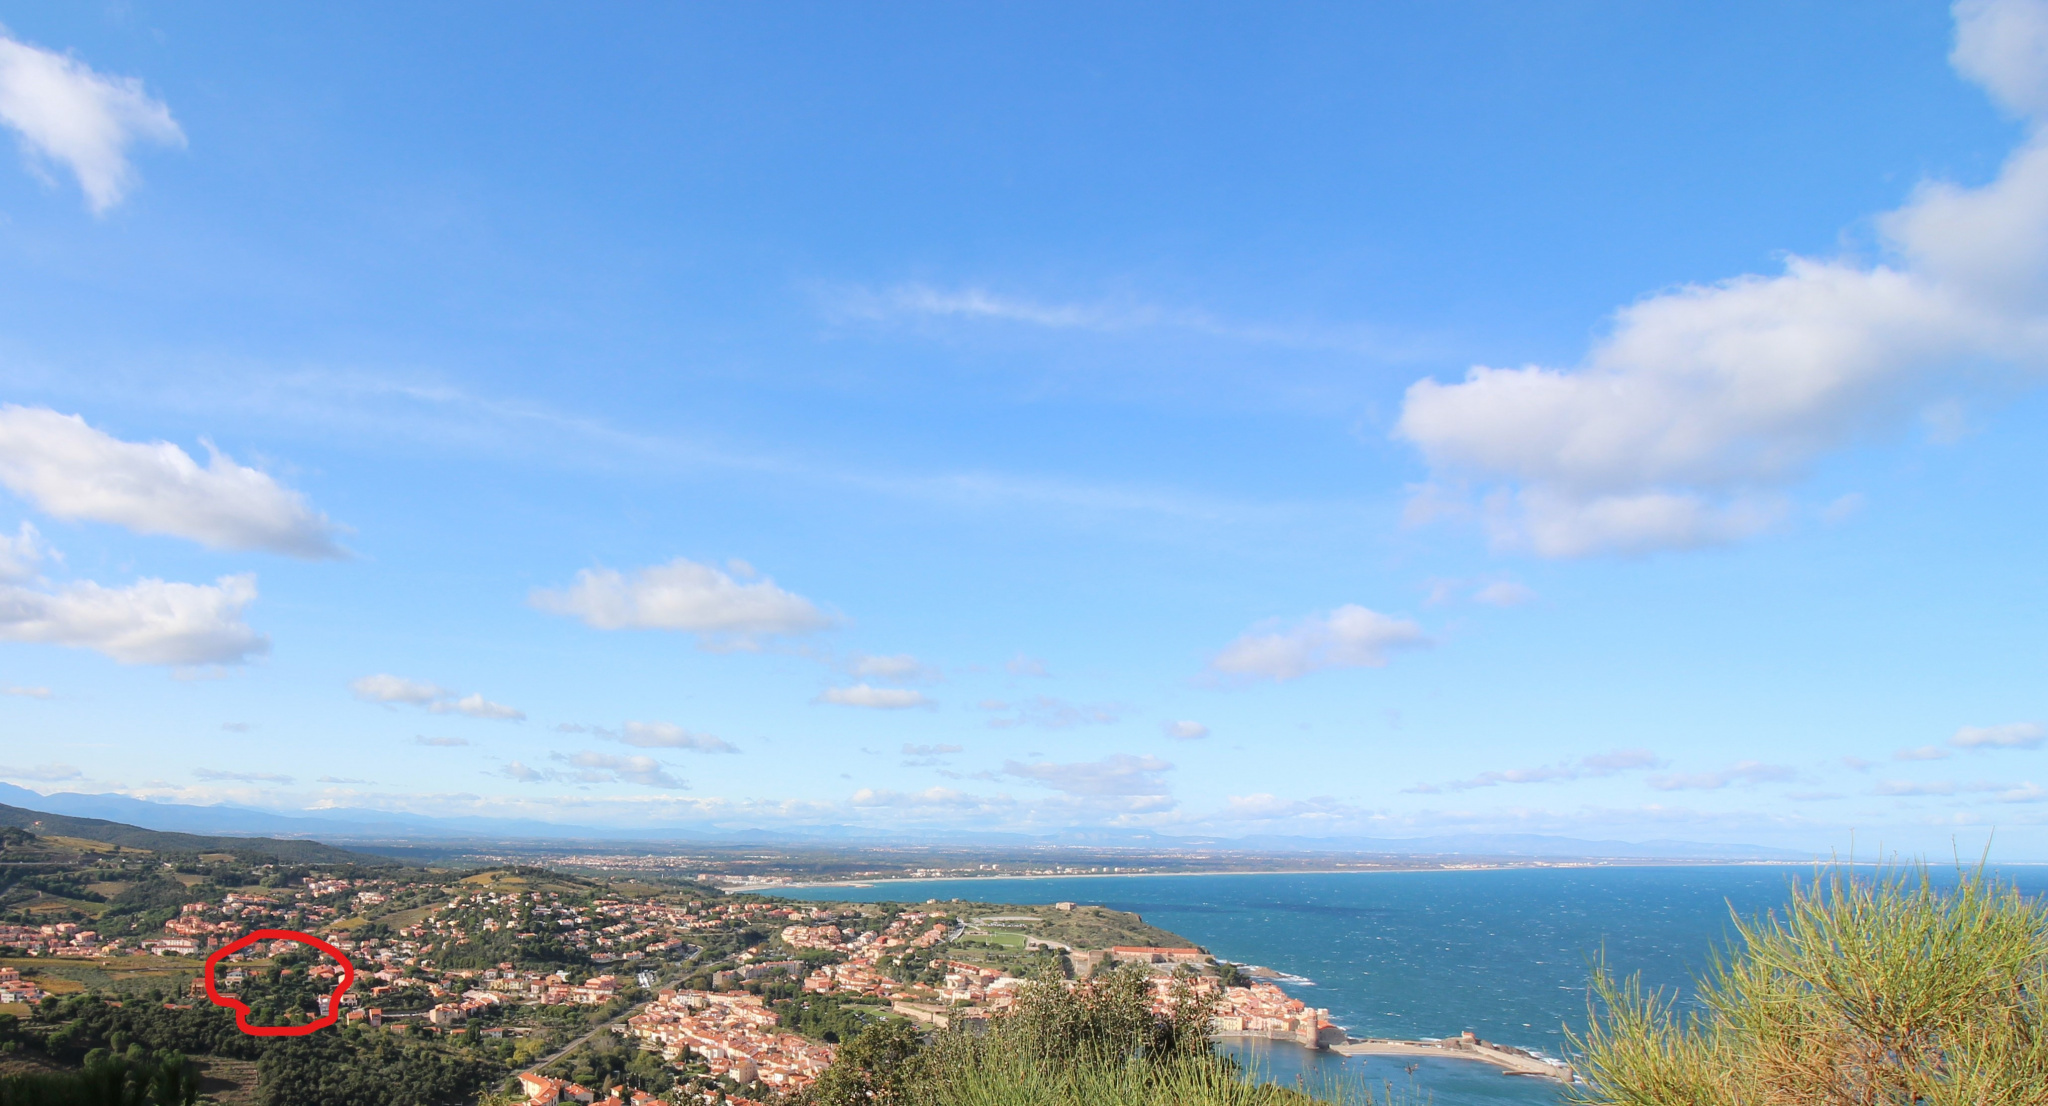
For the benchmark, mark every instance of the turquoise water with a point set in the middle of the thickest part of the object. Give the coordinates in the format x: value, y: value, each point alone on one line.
x: 1504, y: 953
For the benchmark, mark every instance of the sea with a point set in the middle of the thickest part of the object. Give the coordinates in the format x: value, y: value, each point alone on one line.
x: 1503, y: 952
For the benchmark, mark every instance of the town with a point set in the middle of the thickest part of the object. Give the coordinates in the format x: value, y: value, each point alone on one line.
x: 572, y: 988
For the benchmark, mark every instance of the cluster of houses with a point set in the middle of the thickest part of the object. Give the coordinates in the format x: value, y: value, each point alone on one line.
x: 857, y: 974
x: 542, y: 1090
x: 62, y: 939
x: 13, y: 988
x: 735, y: 1034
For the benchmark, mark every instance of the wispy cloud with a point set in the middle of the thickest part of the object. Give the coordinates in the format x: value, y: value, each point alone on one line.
x: 1503, y: 593
x: 1118, y: 774
x: 42, y: 773
x: 591, y: 767
x: 1349, y: 637
x: 2012, y: 735
x: 874, y: 698
x: 1745, y: 772
x: 219, y: 776
x: 897, y: 668
x: 668, y: 735
x: 970, y: 304
x: 1588, y: 767
x: 68, y: 114
x: 397, y: 690
x: 1021, y: 665
x: 1050, y: 713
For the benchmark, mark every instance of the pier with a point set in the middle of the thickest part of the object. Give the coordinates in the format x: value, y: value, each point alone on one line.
x: 1512, y: 1061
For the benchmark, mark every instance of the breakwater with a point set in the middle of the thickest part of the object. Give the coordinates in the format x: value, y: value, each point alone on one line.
x: 1516, y: 1061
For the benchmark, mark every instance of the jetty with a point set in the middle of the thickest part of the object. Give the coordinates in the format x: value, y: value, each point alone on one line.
x: 1512, y: 1061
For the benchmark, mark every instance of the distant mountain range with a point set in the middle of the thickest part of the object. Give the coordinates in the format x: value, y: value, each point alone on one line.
x: 365, y: 826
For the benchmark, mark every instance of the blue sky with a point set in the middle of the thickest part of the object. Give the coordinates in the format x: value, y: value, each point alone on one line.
x: 1590, y: 418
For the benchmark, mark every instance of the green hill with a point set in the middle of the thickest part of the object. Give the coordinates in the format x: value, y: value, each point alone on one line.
x: 135, y: 837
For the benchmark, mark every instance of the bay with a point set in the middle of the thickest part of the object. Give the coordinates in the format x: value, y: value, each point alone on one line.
x: 1505, y: 953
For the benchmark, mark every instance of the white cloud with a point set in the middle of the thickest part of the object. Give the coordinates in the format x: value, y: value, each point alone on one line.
x: 388, y: 689
x: 440, y: 742
x: 902, y: 668
x: 2013, y: 735
x: 1186, y: 731
x: 876, y: 698
x: 42, y: 773
x: 1924, y: 752
x: 1747, y: 771
x: 1503, y: 593
x: 686, y: 596
x: 668, y: 735
x: 26, y: 692
x: 148, y: 622
x: 1118, y: 774
x: 1595, y: 766
x: 72, y: 471
x: 66, y: 113
x: 1686, y: 423
x: 1349, y: 637
x: 217, y: 775
x: 911, y: 750
x: 2004, y: 47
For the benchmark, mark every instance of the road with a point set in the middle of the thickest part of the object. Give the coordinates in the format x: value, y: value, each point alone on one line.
x: 602, y: 1027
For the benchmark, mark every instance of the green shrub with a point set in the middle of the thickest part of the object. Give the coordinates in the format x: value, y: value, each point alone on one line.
x: 136, y: 1078
x: 1098, y: 1044
x: 1866, y: 991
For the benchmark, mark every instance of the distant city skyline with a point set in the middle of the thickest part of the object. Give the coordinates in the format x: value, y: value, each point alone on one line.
x: 1588, y: 420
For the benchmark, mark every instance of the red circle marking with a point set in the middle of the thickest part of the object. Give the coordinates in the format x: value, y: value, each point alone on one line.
x: 241, y: 1009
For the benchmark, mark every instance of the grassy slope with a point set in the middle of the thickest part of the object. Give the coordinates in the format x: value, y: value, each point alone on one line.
x: 1084, y: 927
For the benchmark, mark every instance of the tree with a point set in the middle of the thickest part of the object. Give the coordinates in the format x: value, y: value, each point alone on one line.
x: 1885, y: 991
x: 879, y: 1066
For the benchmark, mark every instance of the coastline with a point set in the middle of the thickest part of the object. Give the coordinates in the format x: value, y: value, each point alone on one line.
x: 763, y: 888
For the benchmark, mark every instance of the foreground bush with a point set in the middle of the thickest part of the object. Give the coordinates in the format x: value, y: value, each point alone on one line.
x: 1095, y: 1045
x: 1865, y: 992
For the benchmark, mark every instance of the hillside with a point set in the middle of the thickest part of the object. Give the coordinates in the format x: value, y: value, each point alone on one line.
x: 135, y: 837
